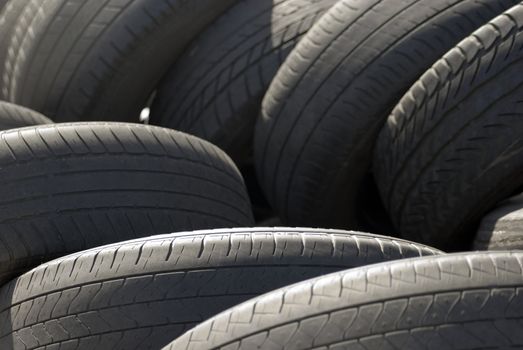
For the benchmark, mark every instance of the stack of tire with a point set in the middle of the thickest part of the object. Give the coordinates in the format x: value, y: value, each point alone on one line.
x: 147, y: 147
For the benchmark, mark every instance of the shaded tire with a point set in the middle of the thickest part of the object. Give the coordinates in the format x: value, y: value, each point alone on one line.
x: 140, y: 294
x: 13, y: 116
x: 69, y: 187
x: 452, y: 148
x: 325, y: 107
x: 502, y: 228
x: 83, y: 60
x: 10, y: 11
x: 215, y: 90
x: 462, y: 301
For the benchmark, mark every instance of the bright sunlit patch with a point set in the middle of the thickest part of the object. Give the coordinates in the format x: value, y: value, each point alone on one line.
x: 144, y: 116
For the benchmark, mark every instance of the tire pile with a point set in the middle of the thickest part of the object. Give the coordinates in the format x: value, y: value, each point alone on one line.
x: 160, y: 160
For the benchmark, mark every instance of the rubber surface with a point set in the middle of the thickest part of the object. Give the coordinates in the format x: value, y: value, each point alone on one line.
x: 99, y: 59
x: 502, y: 228
x: 68, y: 187
x: 326, y: 105
x: 452, y: 148
x: 215, y: 90
x: 466, y: 301
x: 13, y: 116
x: 141, y: 294
x: 10, y: 11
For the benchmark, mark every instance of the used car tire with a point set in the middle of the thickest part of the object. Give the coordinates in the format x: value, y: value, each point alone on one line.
x: 139, y: 294
x: 325, y: 107
x: 69, y: 187
x: 502, y: 228
x: 452, y: 148
x: 10, y: 11
x: 215, y: 89
x: 83, y: 60
x: 13, y: 116
x: 462, y: 301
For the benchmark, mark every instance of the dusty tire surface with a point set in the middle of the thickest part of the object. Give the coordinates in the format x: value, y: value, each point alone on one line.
x: 69, y: 187
x: 452, y: 148
x: 13, y: 116
x: 326, y: 105
x: 10, y: 11
x: 90, y: 60
x: 139, y: 294
x: 215, y: 89
x: 462, y: 301
x: 502, y: 228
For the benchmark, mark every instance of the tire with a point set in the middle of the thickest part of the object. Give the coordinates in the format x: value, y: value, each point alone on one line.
x: 139, y: 294
x: 13, y: 116
x: 91, y: 60
x: 69, y: 187
x: 465, y: 301
x: 215, y: 90
x: 10, y: 11
x: 502, y: 228
x: 325, y: 107
x: 452, y: 148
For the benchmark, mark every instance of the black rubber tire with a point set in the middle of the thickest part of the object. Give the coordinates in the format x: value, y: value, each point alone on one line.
x: 325, y: 107
x: 13, y: 116
x: 452, y: 148
x: 215, y: 90
x: 462, y: 301
x: 99, y: 60
x: 502, y: 228
x: 69, y: 187
x: 10, y: 11
x: 139, y: 294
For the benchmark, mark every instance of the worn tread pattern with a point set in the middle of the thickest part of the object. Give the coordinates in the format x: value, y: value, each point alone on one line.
x: 452, y: 148
x: 462, y: 301
x: 139, y: 294
x: 10, y: 11
x: 99, y: 59
x: 13, y: 116
x: 215, y: 90
x: 325, y: 107
x: 68, y: 187
x: 502, y: 228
